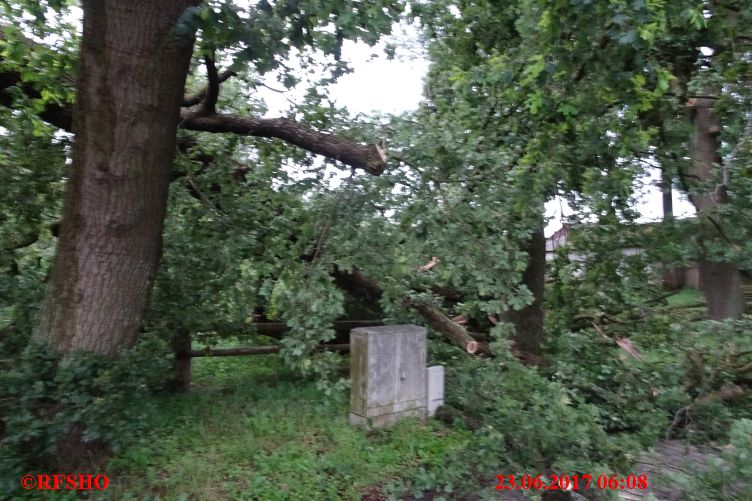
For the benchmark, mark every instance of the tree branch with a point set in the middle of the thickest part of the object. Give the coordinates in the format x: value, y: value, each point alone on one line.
x: 55, y: 114
x: 366, y: 157
x: 194, y: 99
x: 358, y: 284
x: 209, y: 102
x: 350, y: 153
x: 58, y: 115
x: 22, y: 242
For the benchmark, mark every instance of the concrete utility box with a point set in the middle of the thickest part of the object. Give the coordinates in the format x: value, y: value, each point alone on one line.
x: 388, y: 371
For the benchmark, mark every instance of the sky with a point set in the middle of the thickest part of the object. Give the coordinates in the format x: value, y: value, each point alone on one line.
x: 377, y: 84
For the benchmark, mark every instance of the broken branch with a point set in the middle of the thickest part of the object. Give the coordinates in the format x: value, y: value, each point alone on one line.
x: 431, y: 264
x: 360, y: 156
x: 357, y: 283
x: 194, y: 99
x: 209, y: 102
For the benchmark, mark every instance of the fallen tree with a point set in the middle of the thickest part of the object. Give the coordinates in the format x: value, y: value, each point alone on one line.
x: 358, y: 284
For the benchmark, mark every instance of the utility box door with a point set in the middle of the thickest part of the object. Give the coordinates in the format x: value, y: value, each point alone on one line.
x: 388, y: 373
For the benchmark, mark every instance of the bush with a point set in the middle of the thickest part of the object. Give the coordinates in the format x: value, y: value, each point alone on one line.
x: 44, y: 397
x: 643, y: 397
x: 523, y: 422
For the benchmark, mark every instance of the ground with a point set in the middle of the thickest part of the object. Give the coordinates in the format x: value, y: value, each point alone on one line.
x: 250, y: 430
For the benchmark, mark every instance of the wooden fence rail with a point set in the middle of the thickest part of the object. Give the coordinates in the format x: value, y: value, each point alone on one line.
x: 260, y: 350
x: 184, y: 352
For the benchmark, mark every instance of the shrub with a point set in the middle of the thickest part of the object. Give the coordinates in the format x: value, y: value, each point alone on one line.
x: 43, y: 397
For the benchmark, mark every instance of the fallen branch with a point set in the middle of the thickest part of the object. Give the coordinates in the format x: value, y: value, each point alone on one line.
x: 356, y: 283
x: 731, y: 392
x: 727, y: 393
x: 623, y: 343
x: 430, y: 264
x: 444, y: 325
x: 260, y: 350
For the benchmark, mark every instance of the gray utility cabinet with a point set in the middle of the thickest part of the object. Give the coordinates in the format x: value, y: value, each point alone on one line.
x: 388, y: 371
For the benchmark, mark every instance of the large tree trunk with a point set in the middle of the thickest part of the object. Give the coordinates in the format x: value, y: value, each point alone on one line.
x: 721, y: 286
x: 528, y: 322
x: 674, y: 277
x: 130, y: 88
x: 667, y: 195
x: 719, y: 281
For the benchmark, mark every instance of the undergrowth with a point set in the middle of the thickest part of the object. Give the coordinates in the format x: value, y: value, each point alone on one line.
x: 250, y: 428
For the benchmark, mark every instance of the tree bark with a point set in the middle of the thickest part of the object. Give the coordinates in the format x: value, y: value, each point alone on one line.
x: 666, y: 195
x: 445, y: 326
x: 366, y: 157
x: 719, y: 281
x: 130, y: 89
x: 528, y: 322
x: 181, y: 346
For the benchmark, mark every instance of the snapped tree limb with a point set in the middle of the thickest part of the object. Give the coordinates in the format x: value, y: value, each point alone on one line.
x: 356, y: 155
x: 360, y: 285
x: 366, y: 157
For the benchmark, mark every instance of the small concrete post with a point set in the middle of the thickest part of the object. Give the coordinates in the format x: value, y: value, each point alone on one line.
x: 388, y: 370
x: 434, y: 388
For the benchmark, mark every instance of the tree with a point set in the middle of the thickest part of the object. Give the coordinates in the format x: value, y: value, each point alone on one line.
x: 133, y: 64
x: 482, y: 168
x: 686, y: 61
x: 590, y: 93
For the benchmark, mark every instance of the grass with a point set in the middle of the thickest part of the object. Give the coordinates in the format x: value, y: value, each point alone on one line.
x: 686, y: 297
x: 249, y: 429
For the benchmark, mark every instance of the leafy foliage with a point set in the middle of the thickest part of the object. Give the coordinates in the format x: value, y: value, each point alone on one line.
x: 104, y: 399
x: 32, y: 176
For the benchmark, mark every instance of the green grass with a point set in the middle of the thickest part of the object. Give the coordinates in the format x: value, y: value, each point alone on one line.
x: 685, y: 297
x: 249, y: 429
